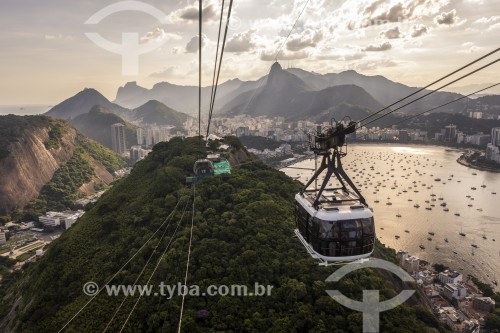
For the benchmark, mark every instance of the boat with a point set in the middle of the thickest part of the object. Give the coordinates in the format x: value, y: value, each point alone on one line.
x: 422, y: 247
x: 446, y: 209
x: 437, y: 179
x: 416, y: 206
x: 431, y: 233
x: 474, y: 246
x: 484, y: 237
x: 407, y: 231
x: 462, y: 234
x: 473, y: 188
x: 397, y: 237
x: 457, y: 214
x: 429, y: 238
x: 446, y: 240
x: 455, y: 252
x: 495, y: 282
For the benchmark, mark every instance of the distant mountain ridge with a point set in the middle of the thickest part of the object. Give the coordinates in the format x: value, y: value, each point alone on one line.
x: 230, y: 93
x: 286, y: 95
x: 181, y: 98
x: 81, y: 103
x: 93, y: 114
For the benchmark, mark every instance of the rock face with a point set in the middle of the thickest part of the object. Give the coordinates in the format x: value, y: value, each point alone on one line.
x: 30, y: 165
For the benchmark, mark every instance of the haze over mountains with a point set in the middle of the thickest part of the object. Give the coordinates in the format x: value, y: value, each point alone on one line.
x: 234, y: 94
x: 294, y: 94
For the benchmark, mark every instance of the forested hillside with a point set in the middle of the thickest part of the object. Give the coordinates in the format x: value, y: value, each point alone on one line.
x: 243, y: 234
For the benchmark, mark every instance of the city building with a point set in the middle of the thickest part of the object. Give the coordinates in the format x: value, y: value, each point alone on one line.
x: 118, y: 138
x: 137, y: 153
x: 58, y: 219
x: 411, y: 264
x: 493, y: 153
x: 450, y: 133
x: 3, y: 238
x: 486, y: 304
x: 454, y: 291
x: 495, y: 136
x: 450, y: 277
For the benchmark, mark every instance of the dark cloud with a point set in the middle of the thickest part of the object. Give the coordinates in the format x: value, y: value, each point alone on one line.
x: 241, y: 42
x: 191, y: 13
x: 307, y: 39
x: 449, y: 18
x: 192, y: 45
x: 393, y: 33
x: 369, y: 10
x: 378, y: 14
x: 377, y: 48
x: 419, y: 30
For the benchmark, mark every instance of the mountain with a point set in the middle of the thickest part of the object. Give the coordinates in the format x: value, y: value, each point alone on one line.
x: 286, y: 95
x: 96, y: 124
x: 242, y: 228
x: 181, y: 98
x: 156, y: 113
x: 82, y: 103
x: 46, y: 163
x: 382, y: 89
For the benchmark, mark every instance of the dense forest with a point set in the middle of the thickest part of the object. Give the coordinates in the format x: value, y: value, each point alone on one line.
x: 243, y: 234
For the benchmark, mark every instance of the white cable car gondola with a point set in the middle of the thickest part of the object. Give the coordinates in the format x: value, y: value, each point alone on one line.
x: 335, y: 225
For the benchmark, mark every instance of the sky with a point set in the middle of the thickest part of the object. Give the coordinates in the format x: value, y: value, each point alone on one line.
x: 46, y: 54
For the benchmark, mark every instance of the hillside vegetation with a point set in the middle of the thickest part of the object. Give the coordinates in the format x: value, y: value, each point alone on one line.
x: 45, y: 164
x: 243, y: 228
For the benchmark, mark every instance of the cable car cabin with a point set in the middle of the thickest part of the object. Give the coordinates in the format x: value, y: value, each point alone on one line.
x: 203, y: 168
x: 335, y: 224
x: 339, y: 230
x: 213, y: 165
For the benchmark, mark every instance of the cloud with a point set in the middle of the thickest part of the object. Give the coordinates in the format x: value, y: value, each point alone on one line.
x: 241, y: 42
x: 192, y: 45
x: 190, y: 13
x: 377, y: 48
x: 447, y: 18
x: 166, y: 73
x: 284, y: 55
x: 308, y: 39
x: 374, y: 64
x: 419, y: 30
x: 159, y: 34
x: 393, y: 33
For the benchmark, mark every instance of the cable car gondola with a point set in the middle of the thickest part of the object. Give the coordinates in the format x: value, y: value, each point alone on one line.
x: 335, y: 225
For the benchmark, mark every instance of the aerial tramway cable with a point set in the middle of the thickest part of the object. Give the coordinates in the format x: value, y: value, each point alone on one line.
x: 157, y: 265
x: 220, y: 65
x: 431, y: 84
x: 433, y: 91
x: 118, y: 272
x: 188, y: 258
x: 445, y: 104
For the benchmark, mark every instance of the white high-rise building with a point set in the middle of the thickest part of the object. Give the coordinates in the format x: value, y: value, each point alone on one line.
x: 141, y: 136
x: 3, y: 238
x: 118, y: 138
x: 495, y: 136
